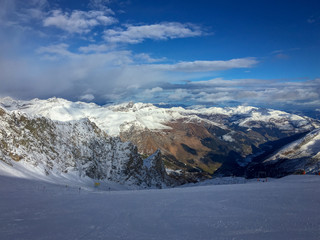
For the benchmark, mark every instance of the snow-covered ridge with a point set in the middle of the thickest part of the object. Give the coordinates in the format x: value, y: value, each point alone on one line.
x: 302, y: 155
x: 116, y: 118
x: 109, y: 118
x: 246, y: 116
x: 306, y: 147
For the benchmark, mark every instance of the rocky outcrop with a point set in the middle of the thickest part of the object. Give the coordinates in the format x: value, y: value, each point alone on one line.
x: 75, y: 146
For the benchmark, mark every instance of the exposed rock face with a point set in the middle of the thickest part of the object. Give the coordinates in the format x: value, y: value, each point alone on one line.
x: 80, y: 146
x: 156, y: 172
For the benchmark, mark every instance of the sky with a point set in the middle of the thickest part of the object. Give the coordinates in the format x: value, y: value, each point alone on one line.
x: 262, y: 53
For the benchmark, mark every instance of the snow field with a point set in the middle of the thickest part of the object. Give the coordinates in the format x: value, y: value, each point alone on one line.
x: 286, y: 208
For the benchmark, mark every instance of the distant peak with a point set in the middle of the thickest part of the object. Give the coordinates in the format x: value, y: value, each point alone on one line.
x: 131, y: 106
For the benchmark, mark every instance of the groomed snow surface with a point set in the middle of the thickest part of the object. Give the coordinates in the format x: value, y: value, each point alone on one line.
x: 287, y: 208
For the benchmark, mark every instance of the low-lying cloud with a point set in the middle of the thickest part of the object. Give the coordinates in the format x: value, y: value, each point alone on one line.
x: 207, y: 66
x: 259, y: 92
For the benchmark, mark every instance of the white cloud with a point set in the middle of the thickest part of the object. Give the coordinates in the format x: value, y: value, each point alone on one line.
x: 18, y: 13
x: 179, y: 94
x: 97, y: 48
x: 78, y: 21
x: 144, y: 57
x: 220, y: 82
x: 156, y: 89
x: 87, y: 97
x: 88, y: 55
x: 210, y: 97
x: 150, y: 93
x: 206, y: 66
x: 101, y: 5
x: 268, y: 93
x: 162, y: 31
x: 58, y: 49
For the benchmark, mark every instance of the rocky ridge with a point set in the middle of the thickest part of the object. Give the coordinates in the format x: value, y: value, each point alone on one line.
x: 55, y: 147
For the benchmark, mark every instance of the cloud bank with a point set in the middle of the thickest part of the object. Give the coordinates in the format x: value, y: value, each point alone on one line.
x: 258, y: 92
x: 207, y: 66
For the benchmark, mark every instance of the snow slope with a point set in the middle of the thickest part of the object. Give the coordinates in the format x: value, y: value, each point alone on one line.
x: 28, y: 172
x: 308, y: 146
x: 303, y: 154
x: 286, y: 208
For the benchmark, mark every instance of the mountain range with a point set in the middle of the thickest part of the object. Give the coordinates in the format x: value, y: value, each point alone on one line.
x: 195, y: 142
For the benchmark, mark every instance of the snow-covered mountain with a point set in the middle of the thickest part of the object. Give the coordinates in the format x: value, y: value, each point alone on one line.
x: 115, y: 119
x: 300, y: 155
x: 193, y: 140
x: 76, y: 147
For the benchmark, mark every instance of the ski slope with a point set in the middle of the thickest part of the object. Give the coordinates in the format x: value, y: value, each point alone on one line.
x: 286, y: 208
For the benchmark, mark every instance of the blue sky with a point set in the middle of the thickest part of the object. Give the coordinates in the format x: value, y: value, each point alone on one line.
x: 214, y: 53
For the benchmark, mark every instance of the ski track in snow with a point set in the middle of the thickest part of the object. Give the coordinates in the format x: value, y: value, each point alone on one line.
x: 286, y: 208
